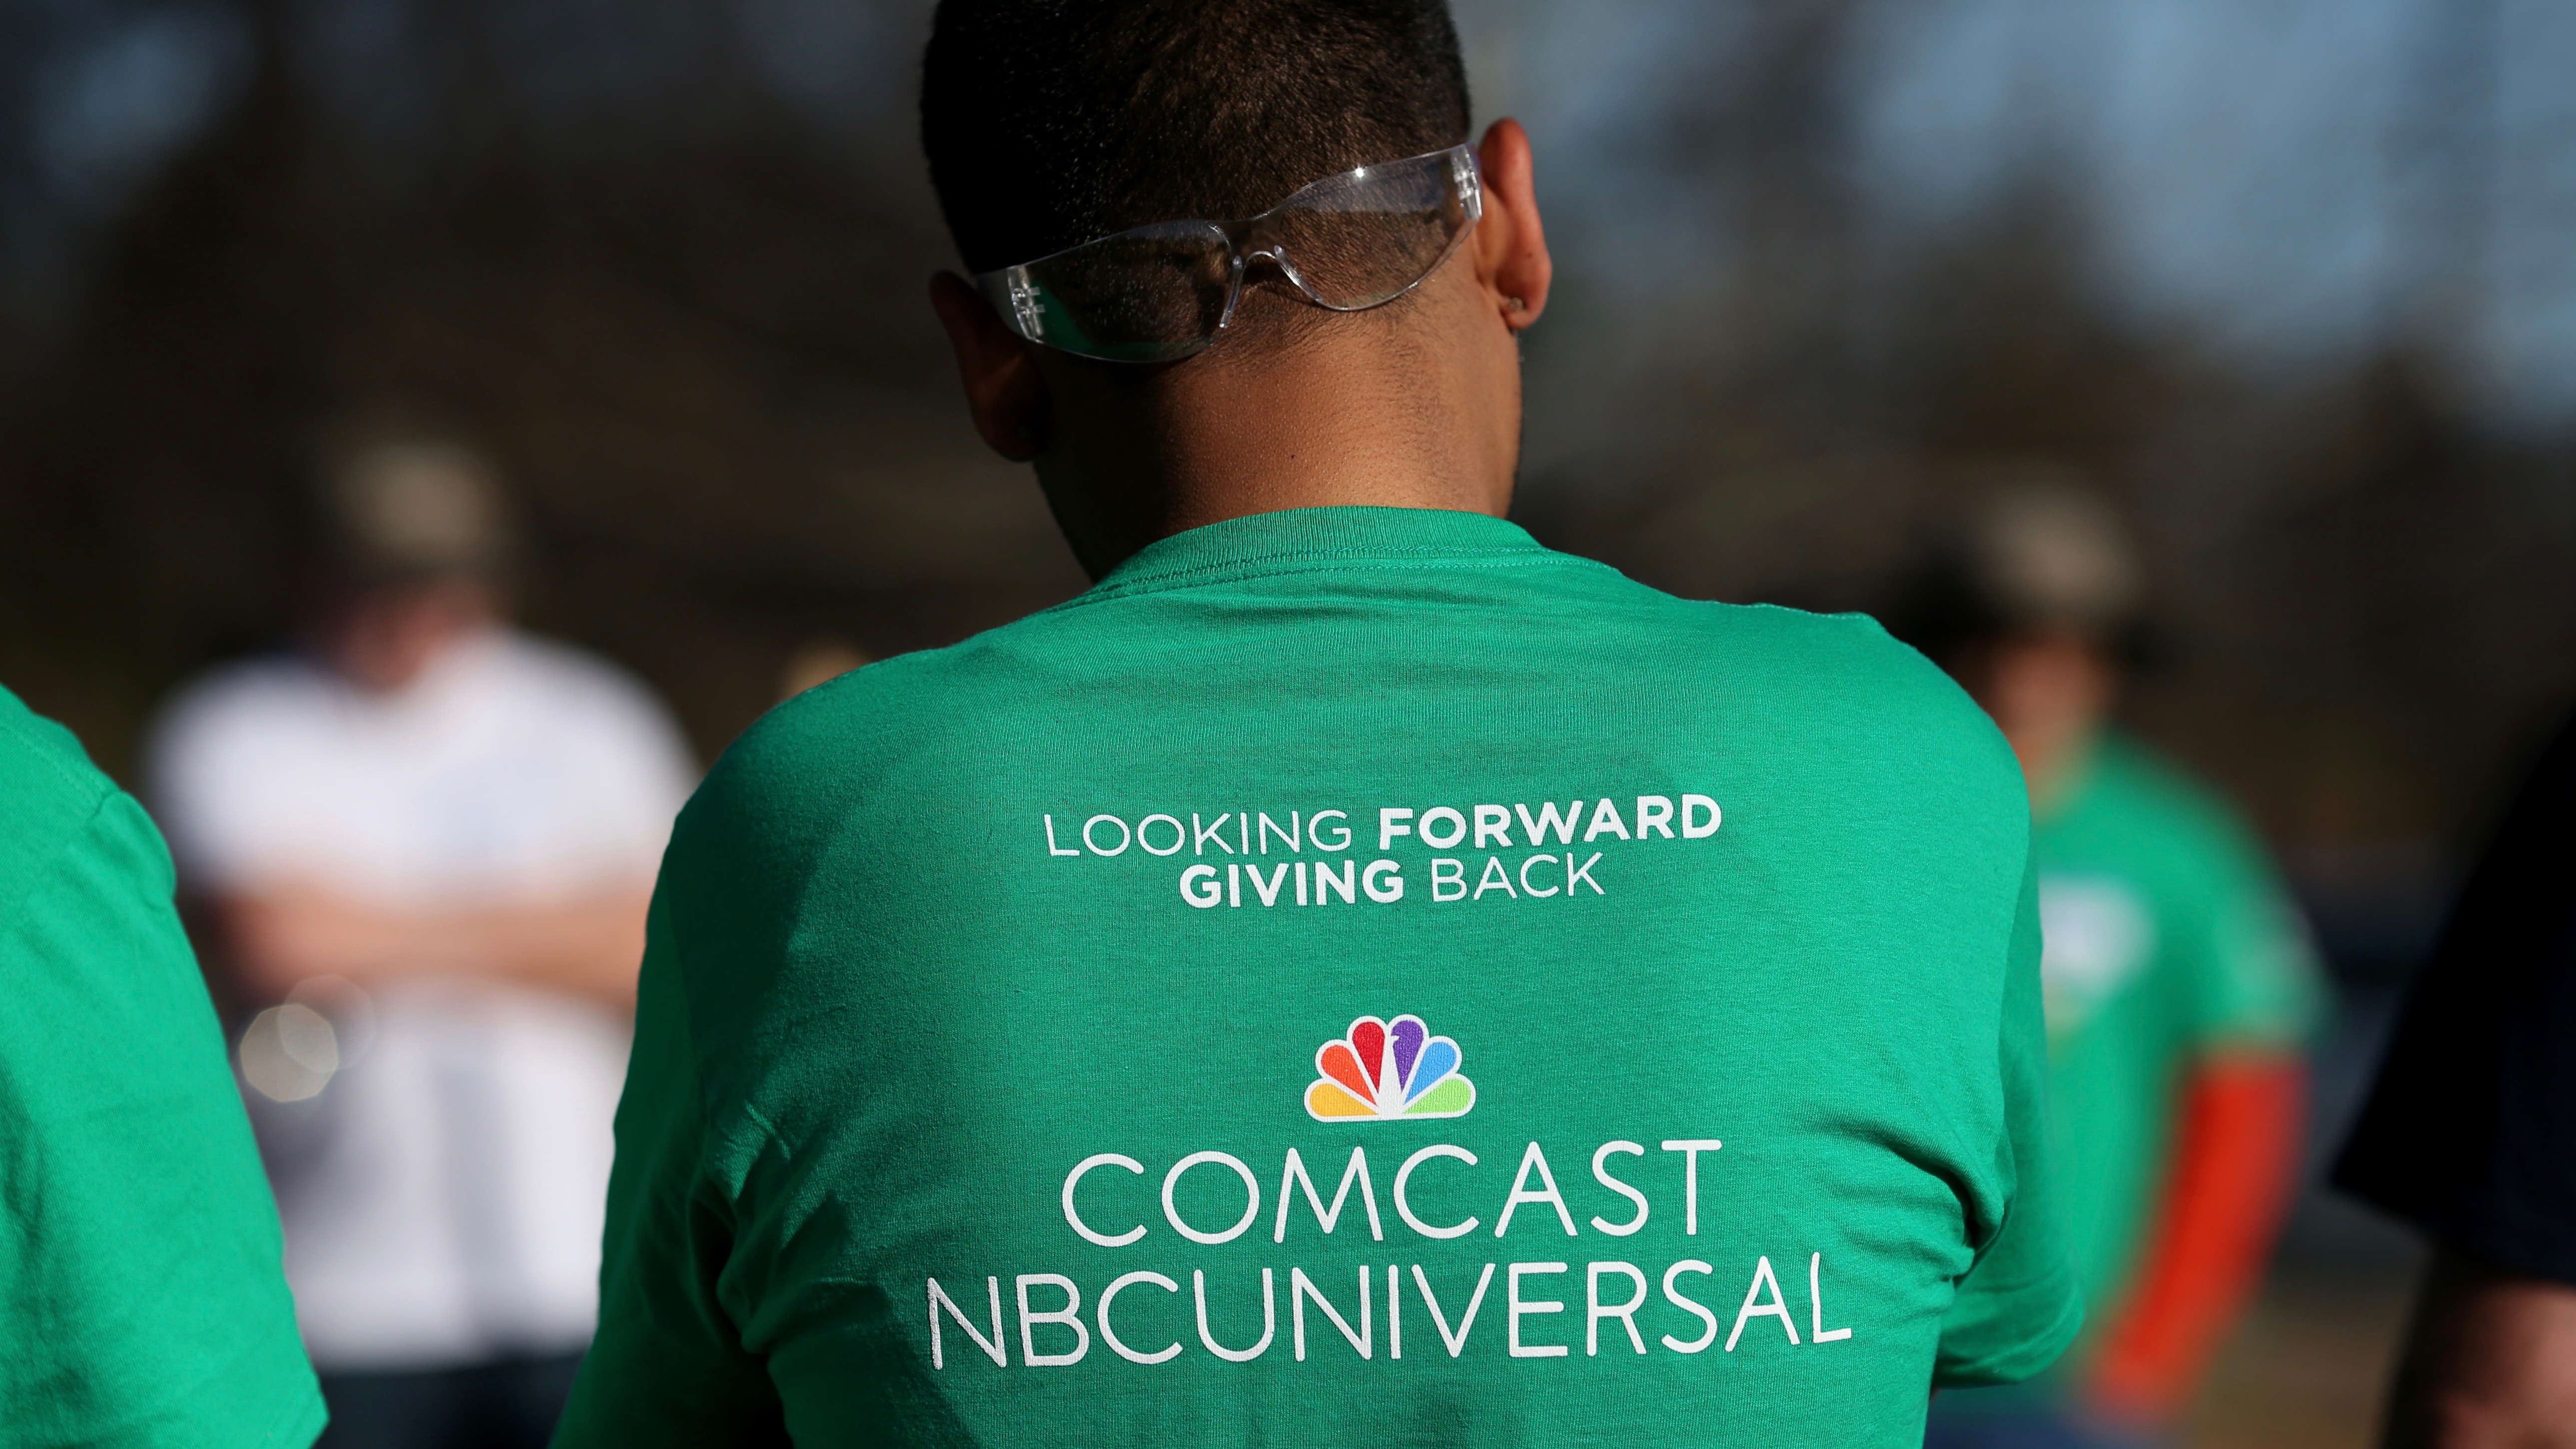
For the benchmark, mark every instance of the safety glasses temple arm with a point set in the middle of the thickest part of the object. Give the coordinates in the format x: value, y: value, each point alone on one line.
x: 1015, y: 296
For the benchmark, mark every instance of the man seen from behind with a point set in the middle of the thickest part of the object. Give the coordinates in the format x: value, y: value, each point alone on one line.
x: 1354, y: 975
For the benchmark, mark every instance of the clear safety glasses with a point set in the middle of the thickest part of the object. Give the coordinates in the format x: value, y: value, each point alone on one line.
x: 1160, y: 292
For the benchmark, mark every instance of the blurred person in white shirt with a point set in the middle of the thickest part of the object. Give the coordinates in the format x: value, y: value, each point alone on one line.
x: 421, y: 846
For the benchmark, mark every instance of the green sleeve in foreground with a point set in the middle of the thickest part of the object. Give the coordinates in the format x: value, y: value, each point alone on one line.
x: 2018, y: 1307
x: 667, y: 1365
x: 142, y: 1299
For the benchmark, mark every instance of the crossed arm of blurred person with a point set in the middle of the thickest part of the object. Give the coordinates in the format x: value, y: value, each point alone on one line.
x: 280, y: 936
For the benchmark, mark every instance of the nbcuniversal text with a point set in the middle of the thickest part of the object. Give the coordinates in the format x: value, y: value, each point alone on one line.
x: 1372, y: 1307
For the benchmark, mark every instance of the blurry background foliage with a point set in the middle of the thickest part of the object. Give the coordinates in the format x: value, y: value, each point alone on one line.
x: 2290, y: 280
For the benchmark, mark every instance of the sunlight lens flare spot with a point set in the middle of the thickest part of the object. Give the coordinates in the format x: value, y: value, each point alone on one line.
x: 289, y: 1052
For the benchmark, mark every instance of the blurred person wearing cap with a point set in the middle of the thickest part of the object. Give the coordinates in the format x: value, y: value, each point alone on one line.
x: 422, y: 844
x: 2470, y: 1135
x: 2178, y: 980
x: 141, y: 1301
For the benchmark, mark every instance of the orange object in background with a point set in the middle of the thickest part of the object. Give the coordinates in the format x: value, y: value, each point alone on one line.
x: 2235, y: 1162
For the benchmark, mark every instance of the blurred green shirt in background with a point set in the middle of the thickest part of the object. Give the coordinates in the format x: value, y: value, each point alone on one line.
x: 2169, y: 940
x: 142, y: 1301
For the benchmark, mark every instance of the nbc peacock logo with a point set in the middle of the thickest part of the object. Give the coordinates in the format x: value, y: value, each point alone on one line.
x: 1385, y: 1070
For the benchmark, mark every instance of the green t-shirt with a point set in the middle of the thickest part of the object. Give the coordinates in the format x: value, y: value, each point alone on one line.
x: 1352, y: 976
x: 2168, y: 938
x: 141, y: 1297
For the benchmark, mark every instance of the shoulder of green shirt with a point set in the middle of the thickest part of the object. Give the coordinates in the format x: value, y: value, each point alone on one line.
x: 49, y: 790
x: 124, y: 1142
x: 1844, y: 659
x: 1922, y: 722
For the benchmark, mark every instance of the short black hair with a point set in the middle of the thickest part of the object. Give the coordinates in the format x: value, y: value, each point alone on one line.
x: 1049, y: 122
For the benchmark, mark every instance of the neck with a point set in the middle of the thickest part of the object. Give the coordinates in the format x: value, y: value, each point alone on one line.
x: 1342, y: 413
x: 2053, y: 763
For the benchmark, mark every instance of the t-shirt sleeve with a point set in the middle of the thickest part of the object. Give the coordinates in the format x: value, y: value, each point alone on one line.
x: 2254, y: 973
x: 142, y: 1300
x: 2018, y: 1306
x: 667, y: 1365
x: 2470, y: 1132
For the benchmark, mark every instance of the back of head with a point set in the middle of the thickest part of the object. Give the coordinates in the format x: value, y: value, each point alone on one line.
x: 1049, y: 122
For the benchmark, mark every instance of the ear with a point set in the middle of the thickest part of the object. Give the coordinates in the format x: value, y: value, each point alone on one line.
x: 1510, y: 248
x: 1003, y: 388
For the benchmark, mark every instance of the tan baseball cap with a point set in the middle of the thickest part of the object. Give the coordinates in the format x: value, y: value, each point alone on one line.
x: 2052, y: 556
x: 417, y: 506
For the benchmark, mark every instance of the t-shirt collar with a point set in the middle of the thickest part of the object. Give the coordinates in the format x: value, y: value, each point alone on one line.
x: 1298, y: 540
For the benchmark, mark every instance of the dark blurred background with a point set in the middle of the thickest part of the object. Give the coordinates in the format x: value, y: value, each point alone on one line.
x: 2290, y: 281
